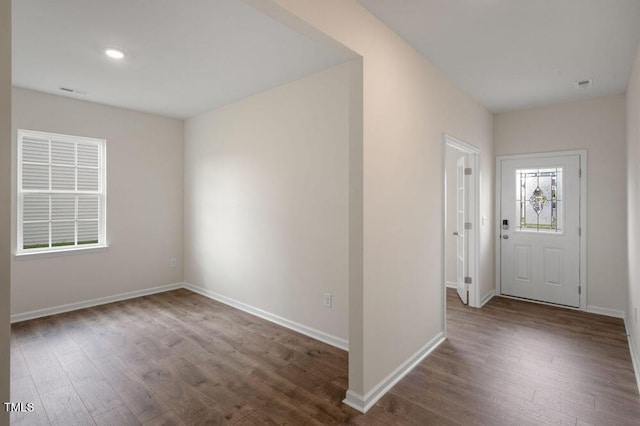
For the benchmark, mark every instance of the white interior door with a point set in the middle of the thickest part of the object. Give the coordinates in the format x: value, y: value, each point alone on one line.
x: 540, y: 229
x: 461, y: 241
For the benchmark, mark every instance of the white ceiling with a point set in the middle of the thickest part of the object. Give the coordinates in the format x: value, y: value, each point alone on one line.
x: 183, y: 57
x: 514, y: 54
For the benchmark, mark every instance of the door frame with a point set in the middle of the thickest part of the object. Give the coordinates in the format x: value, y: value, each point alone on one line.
x: 582, y: 154
x: 472, y: 211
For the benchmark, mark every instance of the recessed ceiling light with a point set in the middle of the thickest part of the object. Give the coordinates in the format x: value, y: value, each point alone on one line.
x: 114, y: 53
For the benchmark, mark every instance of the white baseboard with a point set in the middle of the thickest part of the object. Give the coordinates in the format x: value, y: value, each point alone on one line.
x: 605, y: 311
x: 364, y: 403
x: 303, y: 329
x: 451, y: 284
x: 635, y: 354
x: 487, y: 297
x: 92, y: 302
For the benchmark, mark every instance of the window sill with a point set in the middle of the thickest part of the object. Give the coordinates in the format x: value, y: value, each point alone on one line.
x: 55, y: 253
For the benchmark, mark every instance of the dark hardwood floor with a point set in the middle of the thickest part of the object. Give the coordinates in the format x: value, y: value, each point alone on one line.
x: 179, y: 358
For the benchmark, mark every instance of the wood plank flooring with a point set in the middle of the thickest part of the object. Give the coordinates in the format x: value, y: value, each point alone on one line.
x: 179, y: 358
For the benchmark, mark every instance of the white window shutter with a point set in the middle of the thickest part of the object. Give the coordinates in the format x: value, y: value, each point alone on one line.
x: 63, y: 153
x: 35, y: 176
x: 35, y: 235
x: 35, y: 167
x: 63, y: 233
x: 35, y: 213
x: 88, y: 179
x: 63, y: 178
x: 63, y: 219
x: 35, y: 150
x: 61, y: 192
x: 35, y: 207
x: 88, y: 167
x: 88, y: 232
x: 88, y: 155
x: 88, y: 215
x: 88, y: 207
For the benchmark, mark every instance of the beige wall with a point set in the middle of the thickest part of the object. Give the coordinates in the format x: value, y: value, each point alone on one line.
x: 5, y: 199
x: 598, y: 126
x: 144, y: 204
x: 266, y: 200
x: 408, y: 104
x: 633, y: 182
x: 450, y: 240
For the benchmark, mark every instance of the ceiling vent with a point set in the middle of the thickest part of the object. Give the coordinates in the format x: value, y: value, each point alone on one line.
x: 584, y: 84
x: 78, y: 92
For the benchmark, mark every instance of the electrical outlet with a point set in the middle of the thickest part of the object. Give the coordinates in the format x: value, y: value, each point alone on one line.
x: 327, y: 300
x: 174, y: 262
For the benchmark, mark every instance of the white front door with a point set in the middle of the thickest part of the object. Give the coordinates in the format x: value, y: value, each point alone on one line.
x: 461, y: 246
x: 540, y: 229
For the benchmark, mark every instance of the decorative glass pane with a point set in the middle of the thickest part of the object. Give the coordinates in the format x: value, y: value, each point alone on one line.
x: 538, y: 199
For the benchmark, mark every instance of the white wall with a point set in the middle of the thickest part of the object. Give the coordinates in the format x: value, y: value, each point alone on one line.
x: 598, y: 126
x: 144, y: 204
x: 266, y: 200
x: 5, y: 199
x: 407, y: 105
x: 633, y: 182
x: 450, y: 240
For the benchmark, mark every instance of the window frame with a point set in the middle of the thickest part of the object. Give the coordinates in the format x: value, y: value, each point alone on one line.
x: 101, y: 193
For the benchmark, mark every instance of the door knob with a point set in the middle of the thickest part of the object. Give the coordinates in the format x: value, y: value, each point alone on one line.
x: 456, y: 234
x: 506, y: 237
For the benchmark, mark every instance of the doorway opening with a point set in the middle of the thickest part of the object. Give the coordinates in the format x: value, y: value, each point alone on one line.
x: 541, y: 227
x: 461, y: 220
